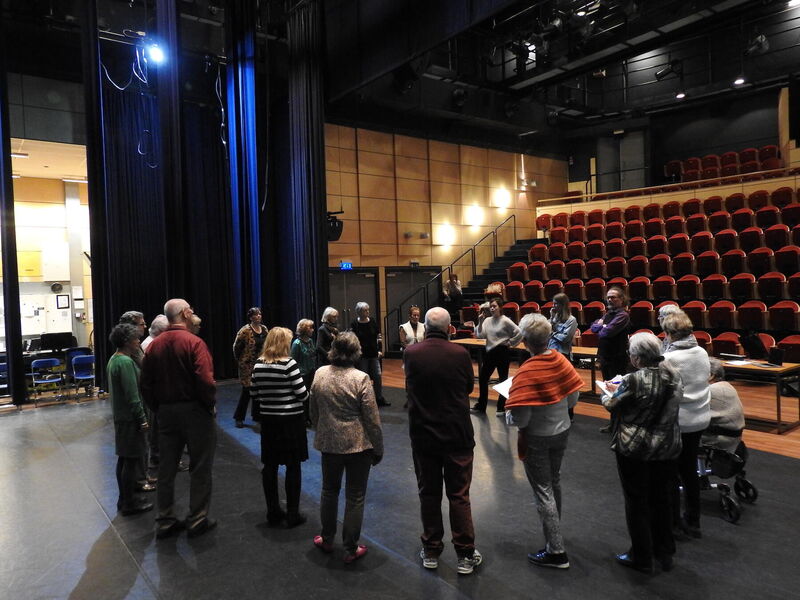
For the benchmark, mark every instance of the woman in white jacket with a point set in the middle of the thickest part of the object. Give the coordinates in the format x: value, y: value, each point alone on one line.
x: 692, y: 364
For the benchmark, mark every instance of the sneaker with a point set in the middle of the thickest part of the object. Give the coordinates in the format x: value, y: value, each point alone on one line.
x: 351, y: 558
x: 466, y: 564
x: 548, y: 559
x: 429, y: 562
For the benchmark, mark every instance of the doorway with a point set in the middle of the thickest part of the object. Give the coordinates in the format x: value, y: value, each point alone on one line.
x: 401, y: 282
x: 352, y: 286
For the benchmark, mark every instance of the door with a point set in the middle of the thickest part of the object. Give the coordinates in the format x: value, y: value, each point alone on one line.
x: 349, y: 287
x: 401, y: 282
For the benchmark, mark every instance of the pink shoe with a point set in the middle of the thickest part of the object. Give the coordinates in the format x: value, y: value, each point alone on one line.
x: 350, y: 558
x: 322, y: 544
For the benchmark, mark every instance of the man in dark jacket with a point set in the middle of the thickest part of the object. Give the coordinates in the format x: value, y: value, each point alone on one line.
x: 439, y: 379
x: 178, y: 383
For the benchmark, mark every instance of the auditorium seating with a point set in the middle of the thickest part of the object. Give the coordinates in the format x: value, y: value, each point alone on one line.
x: 515, y: 292
x: 791, y: 348
x: 517, y: 272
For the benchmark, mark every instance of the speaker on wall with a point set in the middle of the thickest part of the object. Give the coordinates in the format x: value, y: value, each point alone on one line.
x: 335, y: 227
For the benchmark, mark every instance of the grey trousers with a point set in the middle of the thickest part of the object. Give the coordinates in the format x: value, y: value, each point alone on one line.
x: 372, y: 367
x: 191, y: 425
x: 357, y: 467
x: 543, y: 468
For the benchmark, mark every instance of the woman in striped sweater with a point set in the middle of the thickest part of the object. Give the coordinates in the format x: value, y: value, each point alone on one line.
x: 279, y: 396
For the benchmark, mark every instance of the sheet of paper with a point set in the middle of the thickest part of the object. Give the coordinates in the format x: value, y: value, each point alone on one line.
x: 601, y: 385
x: 738, y: 362
x: 504, y: 387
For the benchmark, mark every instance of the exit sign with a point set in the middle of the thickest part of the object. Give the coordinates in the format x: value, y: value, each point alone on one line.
x: 345, y: 266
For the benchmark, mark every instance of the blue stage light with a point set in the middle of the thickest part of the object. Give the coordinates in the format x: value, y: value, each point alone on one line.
x: 155, y: 53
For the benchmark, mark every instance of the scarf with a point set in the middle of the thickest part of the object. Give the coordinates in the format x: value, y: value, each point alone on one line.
x: 543, y: 379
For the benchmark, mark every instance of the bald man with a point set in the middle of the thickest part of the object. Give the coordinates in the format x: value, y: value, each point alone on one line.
x: 178, y: 382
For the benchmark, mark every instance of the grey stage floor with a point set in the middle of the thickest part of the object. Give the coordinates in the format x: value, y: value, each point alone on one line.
x: 60, y: 536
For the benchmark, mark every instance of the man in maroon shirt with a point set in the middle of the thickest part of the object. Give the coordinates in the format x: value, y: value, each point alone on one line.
x: 178, y: 382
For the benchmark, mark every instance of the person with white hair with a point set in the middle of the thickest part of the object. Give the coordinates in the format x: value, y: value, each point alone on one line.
x: 369, y: 336
x: 157, y: 327
x: 663, y: 312
x: 328, y: 330
x: 439, y: 380
x: 724, y: 431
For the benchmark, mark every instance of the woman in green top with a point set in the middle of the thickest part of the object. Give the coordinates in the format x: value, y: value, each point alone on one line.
x: 304, y: 353
x: 130, y: 422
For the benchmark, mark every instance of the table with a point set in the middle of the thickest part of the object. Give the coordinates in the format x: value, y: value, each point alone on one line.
x: 578, y: 352
x: 786, y: 373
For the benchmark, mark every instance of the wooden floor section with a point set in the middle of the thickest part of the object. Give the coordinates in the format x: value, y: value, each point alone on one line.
x: 758, y: 400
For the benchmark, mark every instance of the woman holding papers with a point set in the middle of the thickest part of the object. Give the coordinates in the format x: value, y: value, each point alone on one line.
x: 537, y: 403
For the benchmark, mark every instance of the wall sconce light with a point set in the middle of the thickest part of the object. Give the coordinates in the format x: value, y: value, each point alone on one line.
x: 445, y: 235
x: 501, y: 198
x: 473, y: 216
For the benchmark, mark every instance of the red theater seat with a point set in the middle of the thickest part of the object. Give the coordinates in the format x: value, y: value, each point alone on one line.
x: 635, y: 245
x: 726, y: 240
x: 656, y: 244
x: 578, y: 218
x: 690, y: 177
x: 673, y: 170
x: 561, y: 220
x: 793, y: 286
x: 615, y: 267
x: 620, y: 282
x: 759, y: 261
x: 642, y: 314
x: 712, y: 204
x: 751, y: 238
x: 734, y: 202
x: 692, y: 164
x: 576, y: 250
x: 596, y: 267
x: 595, y: 231
x: 715, y: 287
x: 545, y: 309
x: 551, y: 288
x: 515, y: 292
x: 742, y: 286
x: 783, y: 316
x: 732, y: 262
x: 767, y: 216
x: 750, y: 171
x: 730, y: 172
x: 727, y: 343
x: 615, y: 247
x: 719, y: 221
x: 632, y: 213
x: 663, y: 288
x: 651, y: 211
x: 595, y: 249
x: 558, y: 234
x: 639, y: 288
x: 709, y: 160
x: 722, y: 315
x: 654, y: 227
x: 534, y: 291
x: 595, y: 289
x: 710, y: 173
x: 577, y: 233
x: 707, y: 263
x: 787, y: 260
x: 782, y: 197
x: 537, y: 270
x: 696, y: 311
x: 595, y: 216
x: 558, y: 251
x: 678, y: 243
x: 767, y: 152
x: 637, y: 265
x: 796, y: 235
x: 701, y: 242
x: 528, y: 308
x: 703, y: 340
x: 791, y: 348
x: 517, y: 272
x: 742, y: 219
x: 675, y: 225
x: 660, y: 265
x: 539, y: 252
x: 588, y: 337
x: 556, y: 269
x: 752, y: 315
x: 511, y: 310
x: 634, y: 228
x: 576, y: 269
x: 729, y: 158
x: 747, y: 155
x: 613, y: 215
x: 544, y: 222
x: 574, y: 289
x: 670, y: 209
x: 696, y: 223
x: 687, y: 288
x: 576, y: 308
x: 772, y: 286
x: 614, y: 230
x: 777, y: 236
x: 683, y: 264
x: 758, y: 199
x: 691, y: 207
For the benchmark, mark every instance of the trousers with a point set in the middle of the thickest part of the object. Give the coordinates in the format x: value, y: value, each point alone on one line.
x: 356, y: 466
x: 543, y: 468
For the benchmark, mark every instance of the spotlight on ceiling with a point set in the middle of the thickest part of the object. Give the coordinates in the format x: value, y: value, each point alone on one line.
x: 758, y: 45
x: 793, y: 3
x: 680, y: 95
x: 580, y: 13
x: 155, y: 53
x: 739, y: 80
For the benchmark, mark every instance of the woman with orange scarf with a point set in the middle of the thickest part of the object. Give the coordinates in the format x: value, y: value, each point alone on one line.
x: 538, y: 404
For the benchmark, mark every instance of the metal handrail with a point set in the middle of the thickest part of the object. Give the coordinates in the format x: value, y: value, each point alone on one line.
x: 471, y: 250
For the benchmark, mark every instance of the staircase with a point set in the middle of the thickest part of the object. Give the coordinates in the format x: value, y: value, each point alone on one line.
x: 473, y: 292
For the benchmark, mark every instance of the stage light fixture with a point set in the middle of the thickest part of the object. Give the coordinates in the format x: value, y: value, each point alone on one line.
x: 19, y: 155
x: 793, y: 3
x: 680, y: 95
x: 739, y: 80
x: 15, y: 176
x: 155, y: 53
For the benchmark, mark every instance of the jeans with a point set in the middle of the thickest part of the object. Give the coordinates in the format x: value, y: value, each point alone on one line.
x: 686, y: 475
x: 334, y: 466
x: 454, y: 469
x: 192, y: 425
x: 498, y: 358
x: 543, y: 468
x: 372, y: 367
x: 646, y: 485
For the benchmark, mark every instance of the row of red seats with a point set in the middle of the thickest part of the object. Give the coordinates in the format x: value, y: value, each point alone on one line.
x: 770, y: 287
x: 748, y: 239
x: 751, y: 316
x: 766, y: 218
x: 750, y: 171
x: 780, y: 198
x: 758, y: 261
x: 675, y: 168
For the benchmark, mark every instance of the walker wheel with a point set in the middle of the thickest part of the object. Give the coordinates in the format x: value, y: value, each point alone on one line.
x: 730, y: 508
x: 745, y: 490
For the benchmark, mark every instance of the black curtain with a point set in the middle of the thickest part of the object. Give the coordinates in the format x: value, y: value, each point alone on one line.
x: 209, y: 235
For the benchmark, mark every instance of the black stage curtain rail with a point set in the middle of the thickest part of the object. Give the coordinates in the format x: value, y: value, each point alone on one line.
x: 134, y: 227
x: 209, y: 234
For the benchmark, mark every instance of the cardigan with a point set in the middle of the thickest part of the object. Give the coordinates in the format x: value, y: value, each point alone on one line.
x: 691, y: 363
